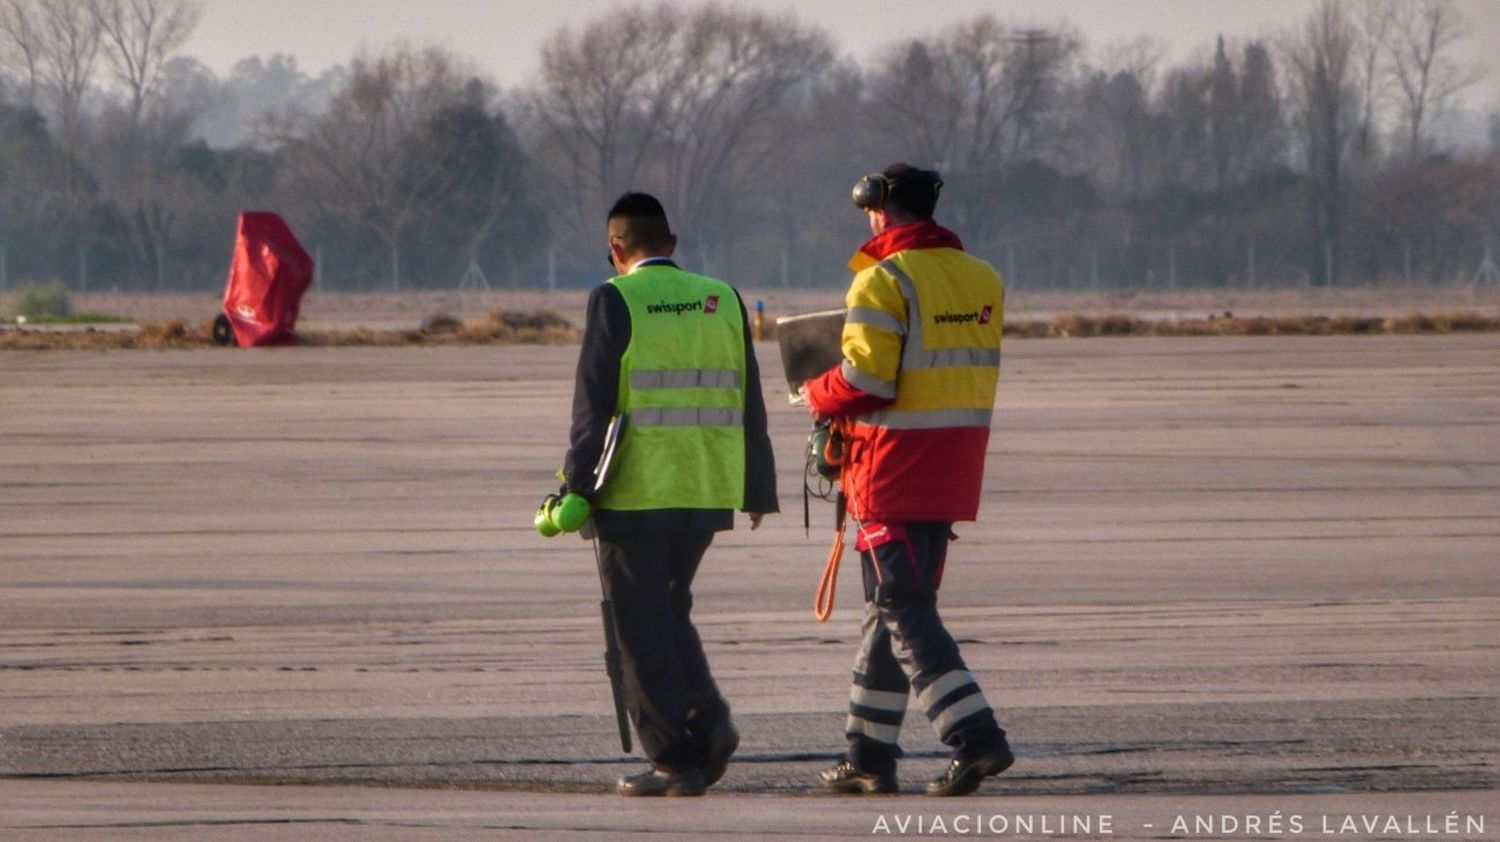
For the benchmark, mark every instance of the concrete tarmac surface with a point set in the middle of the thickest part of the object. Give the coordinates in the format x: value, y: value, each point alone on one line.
x: 1225, y: 576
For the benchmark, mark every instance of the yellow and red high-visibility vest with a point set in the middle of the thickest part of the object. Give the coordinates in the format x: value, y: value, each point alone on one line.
x: 921, y: 365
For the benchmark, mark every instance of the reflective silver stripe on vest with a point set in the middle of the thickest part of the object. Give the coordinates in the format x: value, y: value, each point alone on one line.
x: 915, y: 355
x: 913, y: 311
x: 953, y: 358
x: 875, y: 318
x: 702, y: 416
x: 685, y: 378
x: 927, y: 419
x: 867, y: 384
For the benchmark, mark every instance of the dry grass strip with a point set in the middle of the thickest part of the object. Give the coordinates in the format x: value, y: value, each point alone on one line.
x: 1080, y: 325
x: 494, y: 328
x: 501, y: 327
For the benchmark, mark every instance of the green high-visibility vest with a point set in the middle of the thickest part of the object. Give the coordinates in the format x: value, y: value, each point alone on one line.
x: 682, y: 391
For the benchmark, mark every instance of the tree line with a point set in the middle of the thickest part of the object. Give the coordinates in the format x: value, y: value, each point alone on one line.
x: 1311, y: 157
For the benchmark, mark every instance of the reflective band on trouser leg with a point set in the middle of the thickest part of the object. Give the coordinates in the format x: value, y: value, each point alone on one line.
x: 876, y: 714
x: 685, y: 378
x: 951, y: 699
x: 877, y: 710
x: 877, y: 731
x: 688, y: 417
x: 877, y: 699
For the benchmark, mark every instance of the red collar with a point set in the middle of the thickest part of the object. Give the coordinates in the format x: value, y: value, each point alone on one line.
x: 912, y: 235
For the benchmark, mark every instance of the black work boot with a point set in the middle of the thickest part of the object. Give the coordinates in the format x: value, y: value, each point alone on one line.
x: 662, y: 782
x: 964, y: 774
x: 844, y: 778
x: 721, y: 743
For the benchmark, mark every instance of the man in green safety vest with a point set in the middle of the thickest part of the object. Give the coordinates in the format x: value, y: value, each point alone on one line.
x: 670, y: 352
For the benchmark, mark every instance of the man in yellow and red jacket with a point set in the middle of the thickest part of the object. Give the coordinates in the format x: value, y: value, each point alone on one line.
x: 921, y: 347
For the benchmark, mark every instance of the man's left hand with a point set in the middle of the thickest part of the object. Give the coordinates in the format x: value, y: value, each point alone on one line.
x: 755, y: 519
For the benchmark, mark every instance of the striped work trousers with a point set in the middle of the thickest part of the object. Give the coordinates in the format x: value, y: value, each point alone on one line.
x: 906, y: 650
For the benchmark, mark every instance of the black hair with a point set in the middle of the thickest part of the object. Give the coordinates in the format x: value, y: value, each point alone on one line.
x: 645, y: 219
x: 912, y: 191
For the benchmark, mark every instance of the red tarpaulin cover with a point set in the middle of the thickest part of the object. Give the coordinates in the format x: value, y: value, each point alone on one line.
x: 268, y: 275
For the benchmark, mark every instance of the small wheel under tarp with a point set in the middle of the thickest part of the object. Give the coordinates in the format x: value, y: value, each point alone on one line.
x: 223, y: 330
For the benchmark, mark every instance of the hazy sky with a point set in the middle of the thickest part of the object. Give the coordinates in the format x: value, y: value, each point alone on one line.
x: 503, y: 36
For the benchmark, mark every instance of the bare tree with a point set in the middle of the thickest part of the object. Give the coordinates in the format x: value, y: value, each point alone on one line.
x: 53, y: 44
x: 1321, y: 57
x: 1224, y: 109
x: 657, y: 97
x: 1112, y: 114
x: 1183, y: 130
x: 599, y: 105
x: 138, y: 38
x: 21, y: 46
x: 973, y: 100
x: 1262, y: 128
x: 1422, y: 34
x: 69, y: 36
x: 734, y: 68
x: 360, y: 162
x: 1371, y: 76
x: 1140, y: 57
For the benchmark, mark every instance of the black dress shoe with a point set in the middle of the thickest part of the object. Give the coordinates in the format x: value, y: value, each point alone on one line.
x: 963, y: 775
x: 844, y: 778
x: 662, y: 782
x: 722, y: 741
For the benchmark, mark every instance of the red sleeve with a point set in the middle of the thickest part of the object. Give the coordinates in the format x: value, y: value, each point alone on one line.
x: 830, y: 394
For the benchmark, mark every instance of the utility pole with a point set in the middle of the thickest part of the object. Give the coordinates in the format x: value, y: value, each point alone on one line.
x: 4, y: 269
x: 1034, y: 40
x: 1487, y: 273
x: 474, y: 278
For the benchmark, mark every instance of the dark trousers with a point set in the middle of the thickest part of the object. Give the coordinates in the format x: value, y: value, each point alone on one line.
x: 669, y: 691
x: 906, y: 649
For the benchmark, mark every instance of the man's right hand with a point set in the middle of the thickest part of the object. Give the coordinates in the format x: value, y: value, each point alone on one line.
x: 802, y: 394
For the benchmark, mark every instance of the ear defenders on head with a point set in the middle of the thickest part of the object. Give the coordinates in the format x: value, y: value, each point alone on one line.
x: 874, y: 190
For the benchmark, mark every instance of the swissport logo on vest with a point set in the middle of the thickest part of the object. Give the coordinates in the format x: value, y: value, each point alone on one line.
x: 981, y: 316
x: 708, y: 305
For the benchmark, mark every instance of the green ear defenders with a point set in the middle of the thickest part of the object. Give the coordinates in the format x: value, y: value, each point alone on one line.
x: 560, y: 513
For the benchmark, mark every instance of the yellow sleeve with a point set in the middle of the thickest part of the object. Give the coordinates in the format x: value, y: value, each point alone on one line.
x: 873, y: 332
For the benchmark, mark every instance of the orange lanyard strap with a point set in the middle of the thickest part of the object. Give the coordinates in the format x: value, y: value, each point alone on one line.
x: 823, y: 603
x: 828, y: 585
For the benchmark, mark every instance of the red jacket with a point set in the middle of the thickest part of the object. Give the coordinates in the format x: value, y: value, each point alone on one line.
x: 921, y: 363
